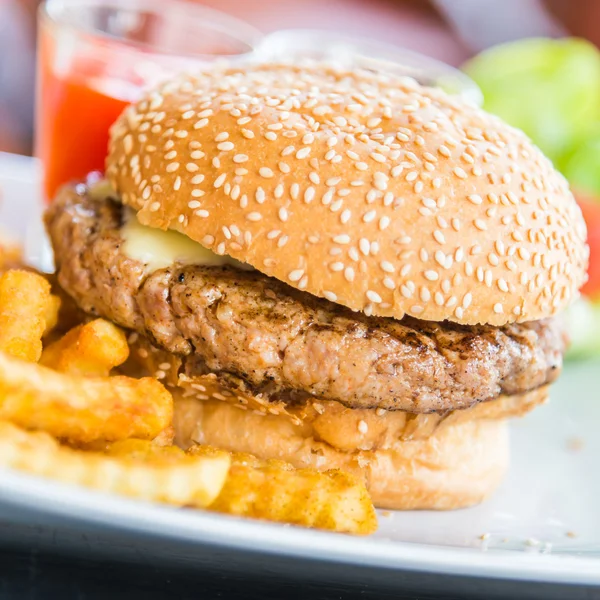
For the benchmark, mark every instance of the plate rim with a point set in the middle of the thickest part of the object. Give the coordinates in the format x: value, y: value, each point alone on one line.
x: 82, y: 505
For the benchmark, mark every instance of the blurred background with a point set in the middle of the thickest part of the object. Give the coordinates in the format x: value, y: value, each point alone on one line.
x: 451, y: 30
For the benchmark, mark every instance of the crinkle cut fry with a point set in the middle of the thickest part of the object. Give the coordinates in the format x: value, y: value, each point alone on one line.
x: 276, y: 491
x: 81, y: 409
x: 180, y: 479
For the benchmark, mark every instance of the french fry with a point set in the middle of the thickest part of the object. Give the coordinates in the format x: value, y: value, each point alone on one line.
x: 144, y: 450
x: 81, y: 409
x: 91, y: 349
x: 178, y: 479
x: 51, y: 314
x: 275, y: 491
x: 24, y: 307
x: 69, y: 314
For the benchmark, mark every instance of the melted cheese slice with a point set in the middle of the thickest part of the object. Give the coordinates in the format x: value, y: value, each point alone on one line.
x: 159, y: 249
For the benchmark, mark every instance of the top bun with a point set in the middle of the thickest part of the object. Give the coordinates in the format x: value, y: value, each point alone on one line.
x: 366, y: 189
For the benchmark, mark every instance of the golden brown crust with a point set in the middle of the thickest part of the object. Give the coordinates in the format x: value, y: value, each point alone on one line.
x: 376, y: 193
x: 460, y: 465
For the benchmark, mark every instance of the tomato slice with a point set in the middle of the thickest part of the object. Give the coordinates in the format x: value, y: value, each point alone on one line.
x: 590, y: 207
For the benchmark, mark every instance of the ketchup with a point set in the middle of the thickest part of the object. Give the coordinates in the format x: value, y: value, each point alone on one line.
x: 76, y: 105
x: 73, y: 139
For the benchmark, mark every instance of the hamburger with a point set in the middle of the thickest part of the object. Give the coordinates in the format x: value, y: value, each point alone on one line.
x: 337, y: 268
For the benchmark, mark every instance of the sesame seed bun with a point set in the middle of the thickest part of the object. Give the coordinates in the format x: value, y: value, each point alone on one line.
x: 458, y: 466
x: 368, y: 190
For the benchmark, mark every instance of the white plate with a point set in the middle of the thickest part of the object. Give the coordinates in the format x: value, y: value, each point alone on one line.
x: 542, y: 525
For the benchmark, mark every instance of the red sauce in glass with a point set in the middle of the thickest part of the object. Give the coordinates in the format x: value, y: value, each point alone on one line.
x: 74, y: 115
x: 74, y: 132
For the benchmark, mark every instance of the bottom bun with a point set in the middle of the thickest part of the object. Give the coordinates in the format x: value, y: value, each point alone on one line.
x: 458, y: 466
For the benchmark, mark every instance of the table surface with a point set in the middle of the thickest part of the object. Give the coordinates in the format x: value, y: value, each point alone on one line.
x: 42, y: 575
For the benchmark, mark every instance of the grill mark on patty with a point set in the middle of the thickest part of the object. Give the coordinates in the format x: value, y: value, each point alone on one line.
x: 285, y: 343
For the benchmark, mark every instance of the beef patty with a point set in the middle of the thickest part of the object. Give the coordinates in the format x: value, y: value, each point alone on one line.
x: 284, y: 343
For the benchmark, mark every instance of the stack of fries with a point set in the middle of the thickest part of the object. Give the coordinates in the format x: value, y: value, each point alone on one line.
x: 64, y: 416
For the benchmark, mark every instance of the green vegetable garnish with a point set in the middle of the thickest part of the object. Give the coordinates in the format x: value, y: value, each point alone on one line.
x: 583, y: 326
x: 548, y: 88
x: 582, y: 166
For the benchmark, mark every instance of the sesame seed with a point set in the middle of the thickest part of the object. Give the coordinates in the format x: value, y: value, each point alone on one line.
x: 265, y: 172
x: 373, y: 297
x: 364, y: 246
x: 342, y: 239
x: 369, y: 216
x: 349, y: 274
x: 431, y: 275
x: 309, y: 194
x: 202, y: 213
x: 493, y: 259
x: 283, y: 214
x: 387, y: 266
x: 254, y: 216
x: 172, y: 167
x: 296, y: 274
x: 220, y: 180
x: 363, y: 427
x: 240, y: 158
x: 439, y: 237
x: 498, y: 308
x: 389, y: 283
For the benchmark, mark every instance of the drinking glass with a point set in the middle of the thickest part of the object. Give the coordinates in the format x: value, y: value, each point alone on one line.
x: 96, y: 56
x: 349, y: 51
